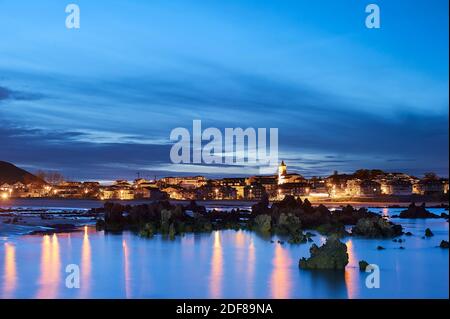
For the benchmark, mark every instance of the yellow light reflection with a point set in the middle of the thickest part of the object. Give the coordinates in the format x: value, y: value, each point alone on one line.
x: 10, y: 275
x: 280, y: 282
x: 50, y: 267
x: 251, y: 268
x: 86, y: 264
x: 216, y: 268
x: 240, y: 239
x: 126, y: 268
x: 351, y: 272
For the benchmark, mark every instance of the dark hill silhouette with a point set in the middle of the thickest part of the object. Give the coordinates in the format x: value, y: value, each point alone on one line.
x: 11, y: 174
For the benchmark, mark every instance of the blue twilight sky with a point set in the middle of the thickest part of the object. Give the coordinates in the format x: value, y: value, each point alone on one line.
x: 100, y: 102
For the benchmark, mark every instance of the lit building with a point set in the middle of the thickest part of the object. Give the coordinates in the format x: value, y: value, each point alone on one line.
x: 294, y: 189
x: 269, y: 183
x: 174, y: 192
x: 284, y: 177
x: 121, y: 190
x: 216, y: 192
x: 188, y: 182
x: 337, y: 184
x: 444, y: 182
x: 363, y: 188
x: 237, y: 183
x: 429, y: 187
x: 254, y: 192
x: 396, y: 188
x: 143, y: 183
x: 282, y: 171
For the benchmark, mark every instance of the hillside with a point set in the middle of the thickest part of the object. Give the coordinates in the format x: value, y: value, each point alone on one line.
x: 11, y: 174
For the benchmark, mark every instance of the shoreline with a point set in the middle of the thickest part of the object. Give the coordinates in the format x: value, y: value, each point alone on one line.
x: 23, y: 216
x: 95, y: 203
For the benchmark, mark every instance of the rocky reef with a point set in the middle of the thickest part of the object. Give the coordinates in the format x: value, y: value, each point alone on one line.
x: 428, y: 233
x: 331, y: 255
x: 363, y: 265
x: 414, y: 211
x: 319, y: 218
x: 376, y: 227
x: 289, y: 218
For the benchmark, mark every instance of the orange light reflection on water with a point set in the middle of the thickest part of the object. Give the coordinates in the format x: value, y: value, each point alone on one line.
x: 50, y: 267
x: 126, y: 261
x: 86, y: 264
x: 215, y: 281
x: 251, y: 268
x: 280, y: 282
x: 10, y: 275
x: 351, y: 272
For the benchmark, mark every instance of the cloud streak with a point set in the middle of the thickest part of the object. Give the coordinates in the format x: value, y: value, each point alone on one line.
x: 101, y: 102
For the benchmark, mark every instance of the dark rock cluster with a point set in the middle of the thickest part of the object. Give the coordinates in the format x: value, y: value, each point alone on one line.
x: 331, y: 255
x: 376, y: 227
x: 414, y: 211
x: 444, y: 244
x: 288, y: 217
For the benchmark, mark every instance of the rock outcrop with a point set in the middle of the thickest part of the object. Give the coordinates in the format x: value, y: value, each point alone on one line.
x: 331, y: 255
x: 376, y: 227
x: 444, y: 244
x: 428, y: 233
x: 363, y: 265
x: 263, y: 223
x: 414, y: 211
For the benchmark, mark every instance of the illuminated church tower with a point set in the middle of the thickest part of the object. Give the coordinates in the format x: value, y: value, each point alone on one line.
x: 281, y: 173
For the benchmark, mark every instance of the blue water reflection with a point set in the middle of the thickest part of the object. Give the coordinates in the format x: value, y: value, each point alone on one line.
x: 222, y: 264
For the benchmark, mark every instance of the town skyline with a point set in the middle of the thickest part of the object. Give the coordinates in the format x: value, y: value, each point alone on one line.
x: 375, y: 184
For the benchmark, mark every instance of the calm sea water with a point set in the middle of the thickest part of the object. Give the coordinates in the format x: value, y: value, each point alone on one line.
x: 223, y: 264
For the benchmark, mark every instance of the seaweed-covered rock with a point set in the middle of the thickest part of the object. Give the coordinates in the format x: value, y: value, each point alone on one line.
x: 263, y: 223
x: 312, y: 217
x: 147, y: 231
x: 100, y: 224
x: 288, y: 202
x: 350, y: 216
x: 363, y: 265
x: 297, y: 238
x: 172, y: 231
x: 165, y: 220
x: 195, y: 208
x: 414, y: 211
x: 331, y: 255
x: 444, y: 244
x: 262, y: 207
x: 288, y: 224
x: 332, y: 229
x: 376, y: 227
x: 428, y: 233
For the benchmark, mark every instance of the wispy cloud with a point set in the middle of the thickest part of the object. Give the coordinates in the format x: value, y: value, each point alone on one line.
x: 101, y: 103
